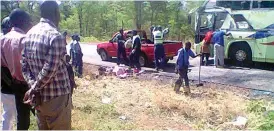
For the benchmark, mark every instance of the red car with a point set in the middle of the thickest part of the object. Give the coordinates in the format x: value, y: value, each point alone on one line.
x: 107, y: 50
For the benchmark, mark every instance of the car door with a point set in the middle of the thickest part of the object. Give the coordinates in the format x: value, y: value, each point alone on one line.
x: 113, y: 46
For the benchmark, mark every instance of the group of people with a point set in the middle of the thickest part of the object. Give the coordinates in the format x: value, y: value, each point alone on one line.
x: 159, y: 51
x: 135, y: 52
x: 182, y: 64
x: 34, y: 71
x: 216, y: 38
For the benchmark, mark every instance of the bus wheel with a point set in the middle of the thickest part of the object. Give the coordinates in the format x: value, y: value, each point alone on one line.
x: 241, y: 55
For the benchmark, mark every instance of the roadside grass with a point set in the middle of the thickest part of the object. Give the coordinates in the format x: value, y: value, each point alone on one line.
x: 146, y: 104
x: 150, y: 104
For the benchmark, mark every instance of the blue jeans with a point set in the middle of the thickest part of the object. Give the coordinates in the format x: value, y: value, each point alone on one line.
x: 159, y: 54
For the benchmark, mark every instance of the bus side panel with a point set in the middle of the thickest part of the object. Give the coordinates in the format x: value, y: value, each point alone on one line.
x: 259, y: 51
x: 270, y: 49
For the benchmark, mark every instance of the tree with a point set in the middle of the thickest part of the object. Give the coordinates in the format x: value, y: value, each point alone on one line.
x: 101, y: 19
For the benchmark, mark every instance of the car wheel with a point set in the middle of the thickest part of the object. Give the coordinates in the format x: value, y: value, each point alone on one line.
x: 241, y: 55
x: 143, y: 60
x: 104, y: 56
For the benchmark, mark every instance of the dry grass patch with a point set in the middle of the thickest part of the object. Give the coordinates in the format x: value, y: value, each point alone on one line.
x: 150, y: 104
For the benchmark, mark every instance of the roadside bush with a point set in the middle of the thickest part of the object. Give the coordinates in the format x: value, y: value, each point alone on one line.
x: 256, y: 107
x: 268, y: 122
x: 89, y: 39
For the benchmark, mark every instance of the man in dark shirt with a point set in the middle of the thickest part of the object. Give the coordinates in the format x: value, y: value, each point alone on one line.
x: 136, y: 51
x: 78, y: 56
x: 121, y: 50
x: 182, y: 67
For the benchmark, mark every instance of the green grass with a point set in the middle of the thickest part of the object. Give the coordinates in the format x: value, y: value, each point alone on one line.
x: 33, y: 124
x: 261, y: 114
x: 268, y: 122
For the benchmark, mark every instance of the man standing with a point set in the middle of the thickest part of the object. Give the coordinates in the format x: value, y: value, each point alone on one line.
x: 182, y: 68
x: 7, y: 94
x: 159, y: 50
x: 45, y: 70
x: 136, y: 52
x: 11, y: 50
x: 121, y: 50
x: 219, y: 51
x: 71, y: 51
x: 78, y: 54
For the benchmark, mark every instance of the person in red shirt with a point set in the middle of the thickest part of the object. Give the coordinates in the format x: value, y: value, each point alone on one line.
x: 205, y: 48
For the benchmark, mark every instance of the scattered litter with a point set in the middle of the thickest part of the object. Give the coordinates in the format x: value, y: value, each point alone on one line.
x: 119, y: 70
x: 147, y: 105
x: 106, y: 100
x: 122, y: 117
x: 122, y: 76
x: 109, y: 70
x: 240, y: 121
x: 123, y: 72
x: 102, y: 70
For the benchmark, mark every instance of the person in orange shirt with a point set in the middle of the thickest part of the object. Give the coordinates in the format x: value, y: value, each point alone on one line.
x: 205, y: 48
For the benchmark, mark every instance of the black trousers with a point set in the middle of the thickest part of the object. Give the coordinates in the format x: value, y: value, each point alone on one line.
x: 205, y: 55
x: 79, y: 64
x: 134, y: 59
x: 23, y: 110
x: 122, y: 52
x: 159, y: 55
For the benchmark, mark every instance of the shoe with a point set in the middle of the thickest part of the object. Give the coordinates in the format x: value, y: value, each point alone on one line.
x: 136, y: 70
x: 177, y: 88
x: 187, y: 90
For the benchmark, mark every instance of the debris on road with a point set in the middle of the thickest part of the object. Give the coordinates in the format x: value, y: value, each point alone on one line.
x: 120, y: 71
x: 102, y: 70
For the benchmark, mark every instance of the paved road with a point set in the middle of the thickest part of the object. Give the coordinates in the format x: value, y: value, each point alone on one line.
x: 242, y: 77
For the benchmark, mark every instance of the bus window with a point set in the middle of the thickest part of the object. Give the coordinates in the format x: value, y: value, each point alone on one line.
x: 220, y: 19
x: 207, y: 21
x: 262, y: 4
x: 229, y: 23
x: 241, y: 22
